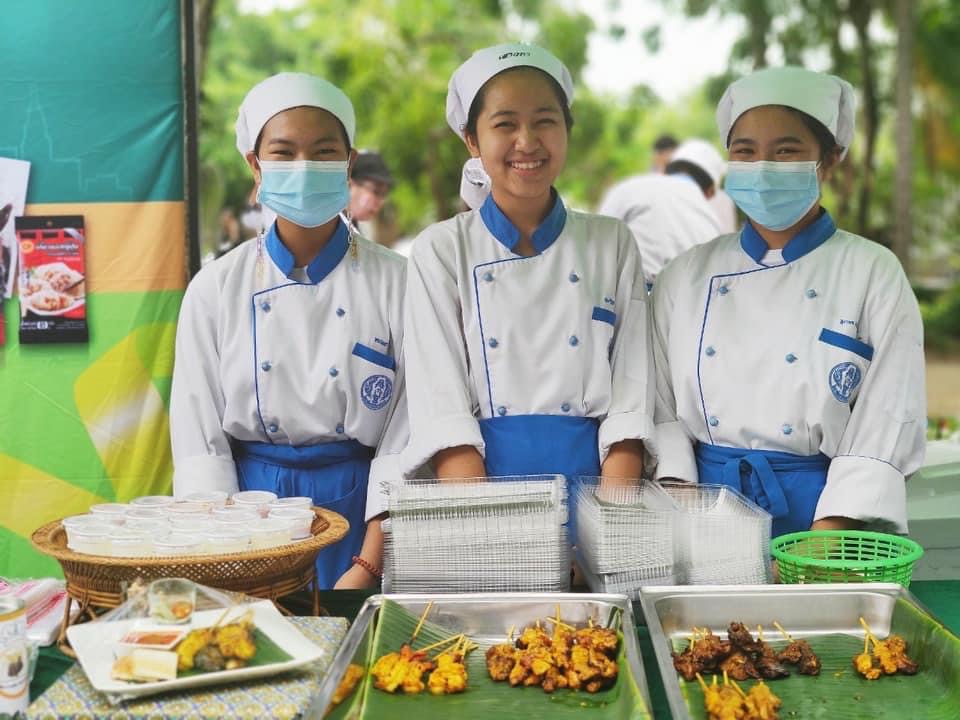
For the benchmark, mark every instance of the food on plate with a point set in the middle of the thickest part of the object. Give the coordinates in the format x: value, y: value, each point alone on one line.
x: 58, y: 275
x: 218, y: 648
x: 450, y: 674
x: 153, y: 638
x: 49, y: 300
x: 742, y: 657
x: 566, y: 658
x: 348, y: 683
x: 889, y: 656
x: 145, y: 665
x: 729, y: 702
x: 401, y: 671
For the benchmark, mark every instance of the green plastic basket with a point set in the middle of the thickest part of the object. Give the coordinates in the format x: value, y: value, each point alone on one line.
x: 845, y: 556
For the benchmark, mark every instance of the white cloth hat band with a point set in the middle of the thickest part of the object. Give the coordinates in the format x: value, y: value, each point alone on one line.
x: 827, y: 98
x: 288, y: 90
x: 484, y: 64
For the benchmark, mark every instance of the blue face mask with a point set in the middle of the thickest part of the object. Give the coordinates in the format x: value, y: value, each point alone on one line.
x: 774, y: 195
x: 308, y: 193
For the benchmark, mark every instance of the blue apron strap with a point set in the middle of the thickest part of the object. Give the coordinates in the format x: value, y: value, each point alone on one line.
x: 541, y: 445
x: 785, y: 485
x: 333, y: 474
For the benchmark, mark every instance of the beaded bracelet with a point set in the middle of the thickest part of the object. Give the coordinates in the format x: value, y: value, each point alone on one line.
x: 368, y: 566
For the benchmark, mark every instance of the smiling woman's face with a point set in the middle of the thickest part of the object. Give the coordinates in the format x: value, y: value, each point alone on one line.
x: 521, y: 135
x: 772, y: 132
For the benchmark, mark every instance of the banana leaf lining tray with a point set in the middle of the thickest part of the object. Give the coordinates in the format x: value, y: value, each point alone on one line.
x: 827, y: 616
x: 386, y: 621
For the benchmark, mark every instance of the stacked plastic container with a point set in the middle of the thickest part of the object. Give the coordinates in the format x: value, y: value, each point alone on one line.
x: 676, y: 533
x: 485, y: 535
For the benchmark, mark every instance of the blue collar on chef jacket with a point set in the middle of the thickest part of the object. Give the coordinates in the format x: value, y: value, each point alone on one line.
x: 807, y: 240
x: 506, y: 232
x: 326, y: 260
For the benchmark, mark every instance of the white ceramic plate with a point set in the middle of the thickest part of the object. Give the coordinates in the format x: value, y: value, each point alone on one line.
x: 96, y: 646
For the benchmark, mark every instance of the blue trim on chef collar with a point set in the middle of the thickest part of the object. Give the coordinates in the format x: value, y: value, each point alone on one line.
x: 805, y: 241
x: 506, y: 232
x: 322, y: 265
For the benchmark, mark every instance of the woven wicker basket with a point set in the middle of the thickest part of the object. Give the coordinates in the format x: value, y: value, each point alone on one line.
x: 98, y: 582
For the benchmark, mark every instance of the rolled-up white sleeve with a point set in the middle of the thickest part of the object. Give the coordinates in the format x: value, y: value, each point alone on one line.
x: 440, y: 405
x: 202, y: 456
x: 630, y: 416
x: 385, y: 467
x: 885, y: 437
x: 676, y: 458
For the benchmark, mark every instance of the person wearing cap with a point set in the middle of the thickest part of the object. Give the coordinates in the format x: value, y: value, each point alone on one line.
x: 370, y: 184
x: 289, y: 373
x: 669, y: 213
x: 527, y: 323
x: 663, y: 149
x: 790, y: 355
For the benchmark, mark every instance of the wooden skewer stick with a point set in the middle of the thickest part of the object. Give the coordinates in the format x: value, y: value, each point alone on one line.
x: 702, y: 683
x: 510, y: 633
x: 441, y: 642
x: 737, y: 688
x: 423, y: 617
x: 869, y: 634
x: 779, y: 627
x: 760, y: 633
x: 560, y: 623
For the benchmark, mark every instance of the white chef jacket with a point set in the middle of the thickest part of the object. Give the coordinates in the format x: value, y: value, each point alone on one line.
x: 261, y: 356
x: 817, y: 348
x: 667, y: 215
x: 491, y: 333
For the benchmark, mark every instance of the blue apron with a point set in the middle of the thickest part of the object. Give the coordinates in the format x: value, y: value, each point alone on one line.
x: 334, y: 474
x: 541, y: 445
x: 785, y: 485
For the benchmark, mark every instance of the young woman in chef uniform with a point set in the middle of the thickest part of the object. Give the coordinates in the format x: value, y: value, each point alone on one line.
x: 527, y: 322
x: 790, y: 355
x: 288, y: 371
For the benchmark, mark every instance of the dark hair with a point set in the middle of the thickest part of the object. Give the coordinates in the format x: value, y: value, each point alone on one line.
x: 697, y: 173
x: 343, y: 132
x: 664, y: 142
x: 477, y: 105
x: 825, y: 139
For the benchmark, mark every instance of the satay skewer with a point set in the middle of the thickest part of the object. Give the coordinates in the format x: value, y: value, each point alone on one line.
x: 423, y: 617
x: 441, y: 642
x: 779, y: 627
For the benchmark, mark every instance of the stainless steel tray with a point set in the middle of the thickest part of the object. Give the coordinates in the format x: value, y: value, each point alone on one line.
x: 485, y: 617
x: 806, y: 611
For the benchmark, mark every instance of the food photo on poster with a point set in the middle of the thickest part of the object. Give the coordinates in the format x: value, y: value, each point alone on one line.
x: 52, y: 285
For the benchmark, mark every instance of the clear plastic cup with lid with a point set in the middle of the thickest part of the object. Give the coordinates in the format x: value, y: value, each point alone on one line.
x: 179, y: 544
x: 233, y: 513
x: 129, y: 543
x: 172, y: 600
x: 210, y: 498
x: 227, y: 540
x: 75, y: 521
x: 143, y: 512
x: 301, y: 521
x: 153, y: 501
x: 190, y: 523
x: 114, y: 513
x: 185, y: 508
x: 149, y: 526
x: 292, y: 502
x: 269, y: 532
x: 91, y: 539
x: 259, y: 499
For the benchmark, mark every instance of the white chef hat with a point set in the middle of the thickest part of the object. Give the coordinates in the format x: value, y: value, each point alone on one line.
x: 484, y: 64
x: 289, y: 90
x: 702, y: 154
x: 827, y: 98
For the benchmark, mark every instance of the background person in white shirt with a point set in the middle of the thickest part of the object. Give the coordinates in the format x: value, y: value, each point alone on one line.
x: 790, y: 356
x: 669, y: 213
x: 288, y: 372
x: 528, y: 338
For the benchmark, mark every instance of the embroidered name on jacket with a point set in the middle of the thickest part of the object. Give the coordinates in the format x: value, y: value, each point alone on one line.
x: 375, y: 391
x: 844, y: 379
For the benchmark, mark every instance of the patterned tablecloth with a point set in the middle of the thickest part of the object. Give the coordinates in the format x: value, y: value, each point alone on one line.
x: 283, y: 696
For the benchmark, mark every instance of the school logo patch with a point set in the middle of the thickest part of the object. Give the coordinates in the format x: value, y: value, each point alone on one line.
x: 844, y: 379
x: 376, y: 391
